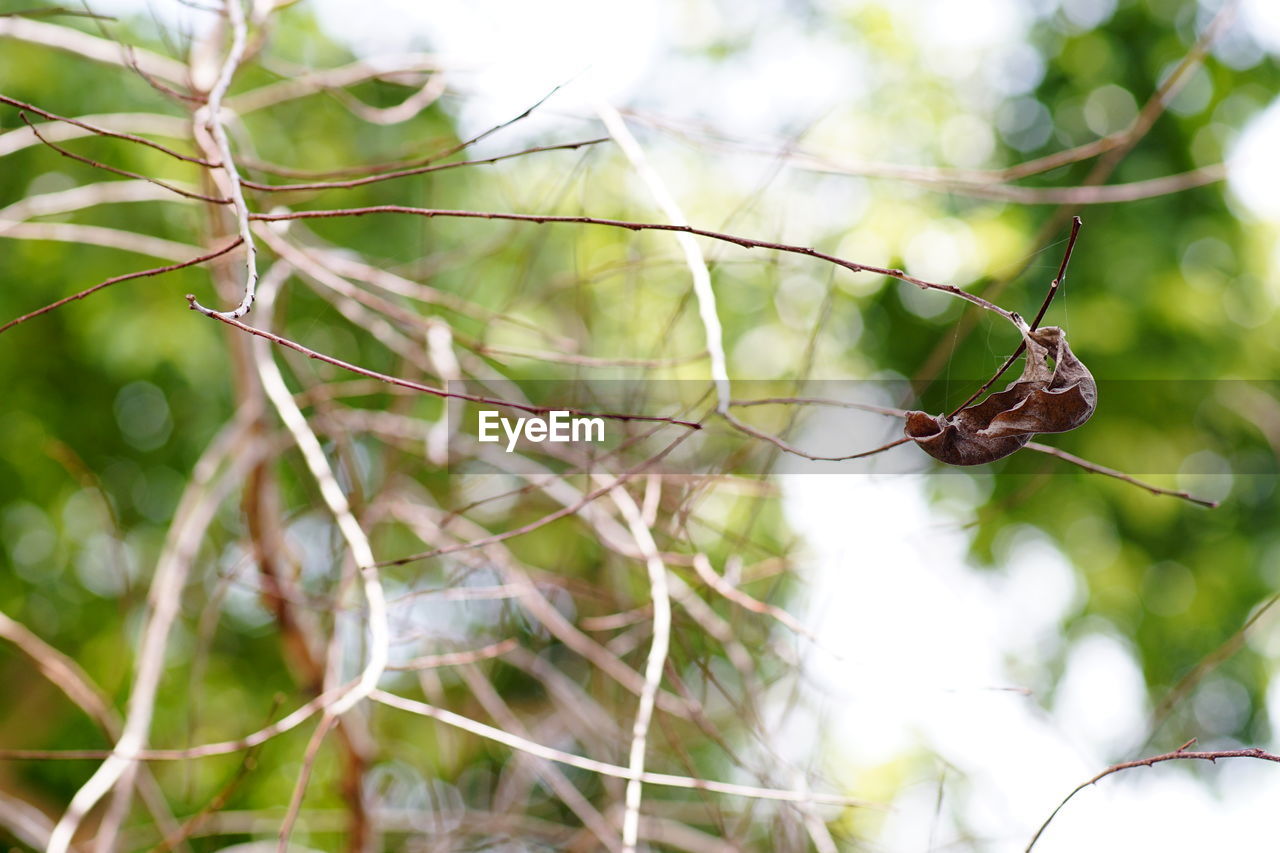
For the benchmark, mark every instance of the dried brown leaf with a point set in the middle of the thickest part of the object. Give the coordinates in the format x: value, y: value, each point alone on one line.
x: 1048, y: 397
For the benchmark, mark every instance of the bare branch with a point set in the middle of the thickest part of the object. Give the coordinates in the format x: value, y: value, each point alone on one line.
x: 116, y: 280
x: 411, y: 106
x: 427, y: 389
x: 310, y: 83
x: 195, y: 512
x: 420, y: 170
x: 1061, y: 277
x: 649, y: 778
x: 83, y: 197
x: 164, y: 122
x: 709, y: 576
x: 278, y: 393
x: 744, y: 242
x: 1119, y: 475
x: 1180, y: 754
x: 126, y: 173
x: 22, y: 138
x: 458, y: 658
x: 91, y: 47
x: 744, y: 427
x: 327, y: 722
x: 97, y: 235
x: 209, y: 117
x: 654, y: 664
x: 697, y: 264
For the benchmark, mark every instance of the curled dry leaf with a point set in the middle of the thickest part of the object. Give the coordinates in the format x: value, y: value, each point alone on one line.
x: 1045, y: 398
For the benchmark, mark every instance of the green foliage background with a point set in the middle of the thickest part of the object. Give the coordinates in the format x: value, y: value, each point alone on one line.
x: 1171, y: 301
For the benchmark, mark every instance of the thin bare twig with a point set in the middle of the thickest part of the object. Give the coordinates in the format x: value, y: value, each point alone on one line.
x: 102, y: 131
x: 654, y: 664
x: 257, y: 98
x: 744, y: 242
x: 1180, y: 754
x: 702, y: 289
x: 563, y: 512
x: 1206, y: 665
x: 702, y: 565
x: 420, y: 170
x: 1101, y: 170
x: 287, y: 723
x: 83, y: 197
x: 116, y: 280
x: 195, y: 512
x: 67, y: 675
x: 336, y: 501
x: 97, y: 235
x: 54, y: 11
x: 551, y: 774
x: 427, y: 389
x: 209, y: 118
x: 19, y: 139
x: 744, y: 427
x: 1119, y: 475
x: 605, y: 769
x: 327, y: 722
x: 459, y: 658
x: 1058, y: 279
x: 90, y: 47
x: 211, y: 808
x: 114, y: 170
x: 300, y: 85
x: 427, y: 94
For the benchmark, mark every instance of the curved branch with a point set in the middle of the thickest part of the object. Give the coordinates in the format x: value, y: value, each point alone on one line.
x: 1176, y: 755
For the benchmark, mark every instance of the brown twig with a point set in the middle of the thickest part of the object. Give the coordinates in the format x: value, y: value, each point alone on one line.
x: 427, y: 389
x: 821, y: 401
x: 327, y: 722
x: 395, y: 165
x: 1032, y: 445
x: 152, y: 81
x: 744, y: 427
x: 1119, y: 475
x: 102, y: 131
x: 116, y: 280
x: 744, y: 242
x: 1179, y: 754
x: 117, y: 171
x: 702, y: 565
x: 192, y: 825
x: 420, y: 170
x: 1058, y: 279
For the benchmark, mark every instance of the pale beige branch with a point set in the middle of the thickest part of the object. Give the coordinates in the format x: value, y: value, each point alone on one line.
x: 336, y: 501
x: 24, y: 821
x: 59, y: 131
x: 92, y: 47
x: 97, y: 235
x: 86, y: 196
x: 496, y: 707
x: 310, y: 83
x: 191, y: 519
x: 605, y: 769
x: 654, y: 663
x: 401, y: 112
